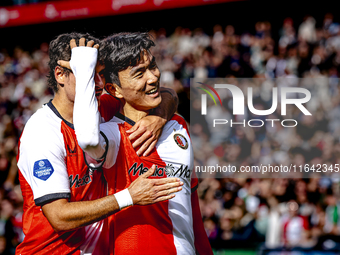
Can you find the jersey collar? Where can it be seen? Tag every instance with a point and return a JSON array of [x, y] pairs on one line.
[[124, 118], [52, 107]]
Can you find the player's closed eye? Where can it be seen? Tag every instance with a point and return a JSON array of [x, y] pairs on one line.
[[139, 75], [101, 73]]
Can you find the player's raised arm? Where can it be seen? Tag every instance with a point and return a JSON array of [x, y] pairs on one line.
[[86, 117]]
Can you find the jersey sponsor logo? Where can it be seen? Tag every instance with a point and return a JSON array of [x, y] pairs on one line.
[[78, 182], [42, 169], [170, 171], [182, 171], [136, 169], [181, 141]]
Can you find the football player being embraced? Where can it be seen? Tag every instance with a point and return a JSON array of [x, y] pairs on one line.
[[65, 202], [130, 74]]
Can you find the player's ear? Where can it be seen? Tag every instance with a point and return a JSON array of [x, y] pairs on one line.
[[114, 90], [59, 75]]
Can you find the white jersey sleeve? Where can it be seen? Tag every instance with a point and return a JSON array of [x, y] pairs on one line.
[[42, 159], [86, 116]]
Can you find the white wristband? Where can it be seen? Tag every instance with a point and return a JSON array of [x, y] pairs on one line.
[[123, 198]]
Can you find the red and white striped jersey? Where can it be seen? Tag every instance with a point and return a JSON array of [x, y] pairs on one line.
[[52, 166]]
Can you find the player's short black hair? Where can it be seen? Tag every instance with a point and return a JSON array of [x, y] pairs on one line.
[[60, 49], [119, 51]]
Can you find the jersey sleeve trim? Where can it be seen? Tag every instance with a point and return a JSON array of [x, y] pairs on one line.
[[103, 158], [51, 197]]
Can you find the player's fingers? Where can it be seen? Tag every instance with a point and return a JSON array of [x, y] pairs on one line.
[[167, 180], [64, 63], [82, 41], [160, 199], [167, 186], [90, 43], [73, 43], [168, 192], [141, 139], [144, 146], [96, 46], [150, 148], [133, 130], [149, 172]]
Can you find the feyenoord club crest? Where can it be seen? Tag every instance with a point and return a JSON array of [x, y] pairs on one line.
[[181, 141]]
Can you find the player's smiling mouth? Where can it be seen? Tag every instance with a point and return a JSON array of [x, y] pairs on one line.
[[153, 91]]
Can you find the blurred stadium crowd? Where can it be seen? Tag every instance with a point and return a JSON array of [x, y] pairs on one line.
[[277, 212]]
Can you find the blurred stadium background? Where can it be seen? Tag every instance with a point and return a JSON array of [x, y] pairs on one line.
[[217, 38]]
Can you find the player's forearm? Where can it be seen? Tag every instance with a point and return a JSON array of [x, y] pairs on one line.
[[64, 215], [169, 104], [86, 116], [71, 215]]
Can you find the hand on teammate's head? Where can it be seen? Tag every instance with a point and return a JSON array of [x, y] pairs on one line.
[[73, 44]]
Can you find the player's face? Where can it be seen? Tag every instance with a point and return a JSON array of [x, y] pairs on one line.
[[99, 80], [70, 86], [140, 84], [70, 83]]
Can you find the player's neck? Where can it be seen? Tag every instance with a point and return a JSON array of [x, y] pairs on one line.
[[64, 107], [133, 114]]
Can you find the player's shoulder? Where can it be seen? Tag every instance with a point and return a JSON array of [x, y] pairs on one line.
[[179, 118], [42, 135], [176, 121], [176, 124], [42, 124], [43, 117]]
